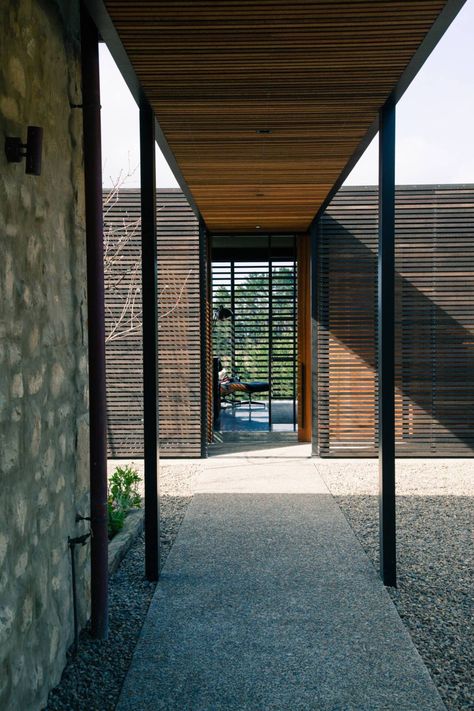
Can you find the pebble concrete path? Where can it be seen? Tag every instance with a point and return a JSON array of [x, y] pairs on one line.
[[268, 602]]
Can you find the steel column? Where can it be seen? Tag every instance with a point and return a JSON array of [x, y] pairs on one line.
[[386, 344], [96, 325], [314, 272], [270, 331], [232, 324], [150, 339], [204, 305], [295, 327]]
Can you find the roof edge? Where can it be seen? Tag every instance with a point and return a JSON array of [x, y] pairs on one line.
[[432, 37], [109, 35]]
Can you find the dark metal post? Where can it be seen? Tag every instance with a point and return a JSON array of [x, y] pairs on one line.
[[314, 244], [295, 343], [386, 344], [150, 339], [96, 325], [232, 323], [270, 332], [204, 305]]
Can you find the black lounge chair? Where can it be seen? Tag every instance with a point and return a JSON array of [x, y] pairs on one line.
[[233, 387]]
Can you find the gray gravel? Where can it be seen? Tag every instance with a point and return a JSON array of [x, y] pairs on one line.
[[93, 679], [435, 558]]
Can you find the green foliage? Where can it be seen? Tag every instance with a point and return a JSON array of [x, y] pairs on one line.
[[251, 305], [123, 495]]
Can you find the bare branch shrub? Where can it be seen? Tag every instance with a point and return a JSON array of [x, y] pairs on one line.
[[122, 269]]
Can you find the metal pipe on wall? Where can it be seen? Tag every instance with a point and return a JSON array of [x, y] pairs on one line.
[[150, 339], [96, 324], [386, 344]]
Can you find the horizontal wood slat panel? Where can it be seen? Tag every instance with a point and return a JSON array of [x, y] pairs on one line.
[[179, 331], [263, 102], [434, 322]]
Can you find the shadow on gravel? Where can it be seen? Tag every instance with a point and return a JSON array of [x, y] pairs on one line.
[[93, 679], [436, 581]]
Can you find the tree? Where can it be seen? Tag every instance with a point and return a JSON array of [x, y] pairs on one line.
[[248, 332], [122, 269], [122, 279]]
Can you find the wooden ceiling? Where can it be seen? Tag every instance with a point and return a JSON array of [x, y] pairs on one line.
[[263, 103]]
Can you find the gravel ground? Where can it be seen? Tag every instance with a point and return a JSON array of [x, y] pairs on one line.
[[93, 679], [435, 567], [435, 558]]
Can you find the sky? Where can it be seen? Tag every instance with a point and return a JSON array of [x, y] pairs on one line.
[[435, 120]]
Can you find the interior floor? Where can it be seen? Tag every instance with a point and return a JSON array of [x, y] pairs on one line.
[[257, 417]]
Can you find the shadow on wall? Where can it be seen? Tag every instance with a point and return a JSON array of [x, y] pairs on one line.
[[434, 340]]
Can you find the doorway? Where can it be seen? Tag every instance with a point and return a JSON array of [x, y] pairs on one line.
[[255, 336]]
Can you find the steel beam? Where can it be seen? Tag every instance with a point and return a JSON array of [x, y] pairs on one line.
[[96, 325], [150, 339], [386, 344]]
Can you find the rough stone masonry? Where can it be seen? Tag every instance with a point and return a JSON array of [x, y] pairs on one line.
[[44, 465]]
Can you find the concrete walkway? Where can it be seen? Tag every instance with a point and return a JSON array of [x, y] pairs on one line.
[[268, 602]]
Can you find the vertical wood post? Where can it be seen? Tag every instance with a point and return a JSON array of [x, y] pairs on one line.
[[96, 325], [386, 344], [150, 339]]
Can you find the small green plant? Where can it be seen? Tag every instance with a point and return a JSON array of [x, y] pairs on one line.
[[123, 495]]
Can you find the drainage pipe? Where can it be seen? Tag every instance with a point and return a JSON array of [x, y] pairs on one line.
[[96, 324], [73, 542]]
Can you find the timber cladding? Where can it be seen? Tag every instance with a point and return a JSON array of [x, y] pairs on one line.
[[263, 102], [434, 322], [179, 326]]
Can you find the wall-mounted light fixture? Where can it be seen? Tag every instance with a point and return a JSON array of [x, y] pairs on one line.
[[15, 150]]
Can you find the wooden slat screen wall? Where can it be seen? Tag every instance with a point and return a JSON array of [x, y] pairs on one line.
[[123, 310], [179, 333], [179, 330], [434, 322]]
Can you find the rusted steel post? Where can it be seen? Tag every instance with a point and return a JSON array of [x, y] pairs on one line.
[[96, 325]]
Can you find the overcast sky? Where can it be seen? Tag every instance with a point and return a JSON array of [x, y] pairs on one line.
[[435, 119]]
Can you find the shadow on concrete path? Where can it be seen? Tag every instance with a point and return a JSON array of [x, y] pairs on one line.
[[267, 601]]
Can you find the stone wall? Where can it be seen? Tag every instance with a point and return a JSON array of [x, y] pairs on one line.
[[43, 357]]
